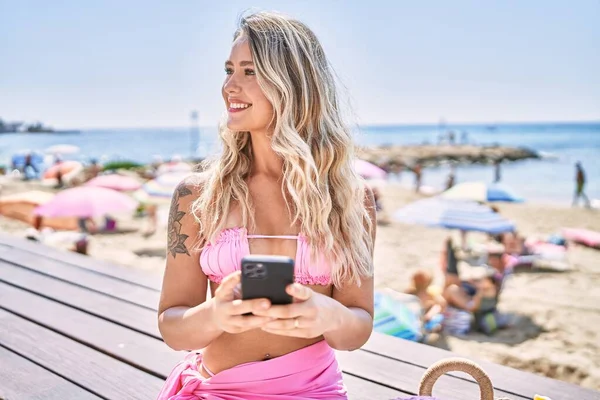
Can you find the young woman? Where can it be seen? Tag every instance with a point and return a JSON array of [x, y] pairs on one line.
[[283, 185]]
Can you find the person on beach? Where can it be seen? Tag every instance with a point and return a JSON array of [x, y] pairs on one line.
[[418, 171], [30, 165], [93, 170], [430, 297], [580, 185], [285, 185], [497, 171], [451, 179]]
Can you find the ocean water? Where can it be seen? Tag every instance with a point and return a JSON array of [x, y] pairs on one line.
[[550, 180]]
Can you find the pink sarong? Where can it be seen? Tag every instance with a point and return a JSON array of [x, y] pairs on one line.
[[308, 373]]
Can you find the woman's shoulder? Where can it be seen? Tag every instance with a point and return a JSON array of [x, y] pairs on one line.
[[194, 183]]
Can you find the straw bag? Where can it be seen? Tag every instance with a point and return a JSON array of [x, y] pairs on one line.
[[449, 365]]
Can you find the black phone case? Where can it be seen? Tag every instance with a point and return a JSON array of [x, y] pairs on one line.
[[265, 276]]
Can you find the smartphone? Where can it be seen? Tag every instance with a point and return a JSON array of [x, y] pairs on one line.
[[266, 276]]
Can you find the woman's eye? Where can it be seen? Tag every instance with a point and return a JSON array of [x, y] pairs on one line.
[[250, 72], [228, 71]]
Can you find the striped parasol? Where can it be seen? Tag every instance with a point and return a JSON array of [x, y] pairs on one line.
[[480, 191], [454, 214]]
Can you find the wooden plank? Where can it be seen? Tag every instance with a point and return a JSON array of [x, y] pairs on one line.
[[92, 280], [140, 351], [106, 307], [406, 377], [362, 389], [20, 333], [21, 378], [150, 279], [507, 379], [85, 366]]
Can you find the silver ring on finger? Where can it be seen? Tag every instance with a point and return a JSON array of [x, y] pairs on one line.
[[296, 323]]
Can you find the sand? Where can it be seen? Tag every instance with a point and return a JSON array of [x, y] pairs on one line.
[[557, 315]]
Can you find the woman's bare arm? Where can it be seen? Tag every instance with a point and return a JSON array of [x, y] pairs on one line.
[[355, 319], [185, 317]]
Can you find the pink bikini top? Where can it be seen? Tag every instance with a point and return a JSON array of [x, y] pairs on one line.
[[223, 257]]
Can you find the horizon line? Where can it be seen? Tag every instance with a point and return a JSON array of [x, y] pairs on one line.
[[366, 125]]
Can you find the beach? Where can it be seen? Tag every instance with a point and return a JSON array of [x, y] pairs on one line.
[[556, 314]]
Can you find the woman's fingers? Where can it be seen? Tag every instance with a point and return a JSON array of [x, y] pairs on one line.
[[299, 292], [287, 324], [282, 311], [225, 291], [239, 307], [246, 322]]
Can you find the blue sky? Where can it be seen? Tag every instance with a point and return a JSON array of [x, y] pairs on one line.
[[81, 64]]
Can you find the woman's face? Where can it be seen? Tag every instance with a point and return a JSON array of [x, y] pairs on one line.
[[247, 107]]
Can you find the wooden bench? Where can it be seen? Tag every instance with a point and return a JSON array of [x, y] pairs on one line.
[[86, 329]]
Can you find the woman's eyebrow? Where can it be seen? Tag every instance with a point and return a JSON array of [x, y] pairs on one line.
[[229, 63]]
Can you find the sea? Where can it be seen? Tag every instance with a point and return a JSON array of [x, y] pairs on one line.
[[548, 180]]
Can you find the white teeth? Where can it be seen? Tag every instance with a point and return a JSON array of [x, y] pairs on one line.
[[239, 105]]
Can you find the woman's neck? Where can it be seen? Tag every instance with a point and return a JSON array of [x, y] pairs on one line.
[[264, 160]]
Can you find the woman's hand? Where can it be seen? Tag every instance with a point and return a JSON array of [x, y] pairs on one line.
[[228, 311], [309, 316]]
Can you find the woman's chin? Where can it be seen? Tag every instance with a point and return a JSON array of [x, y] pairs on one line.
[[236, 126]]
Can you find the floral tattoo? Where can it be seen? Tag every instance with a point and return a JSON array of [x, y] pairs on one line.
[[176, 239]]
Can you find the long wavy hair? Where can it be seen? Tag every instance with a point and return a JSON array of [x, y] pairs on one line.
[[323, 193]]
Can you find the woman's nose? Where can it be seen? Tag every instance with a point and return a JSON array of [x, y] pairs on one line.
[[231, 85]]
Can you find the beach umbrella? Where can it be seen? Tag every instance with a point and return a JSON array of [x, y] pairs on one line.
[[86, 201], [21, 206], [62, 149], [18, 157], [481, 191], [368, 170], [174, 167], [454, 214], [117, 182], [160, 189], [67, 169]]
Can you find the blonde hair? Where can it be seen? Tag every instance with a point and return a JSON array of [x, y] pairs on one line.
[[326, 195]]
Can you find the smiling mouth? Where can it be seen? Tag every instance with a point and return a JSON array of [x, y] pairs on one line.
[[236, 107]]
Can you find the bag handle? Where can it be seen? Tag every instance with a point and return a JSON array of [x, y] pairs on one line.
[[456, 364]]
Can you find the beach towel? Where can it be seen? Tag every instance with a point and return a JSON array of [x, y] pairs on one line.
[[309, 373], [398, 314], [583, 236]]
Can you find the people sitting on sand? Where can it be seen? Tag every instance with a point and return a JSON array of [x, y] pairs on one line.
[[432, 302], [500, 263], [472, 293], [93, 170], [513, 243], [472, 302], [449, 263], [87, 225]]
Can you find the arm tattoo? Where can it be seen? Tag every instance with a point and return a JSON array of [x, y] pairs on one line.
[[176, 239]]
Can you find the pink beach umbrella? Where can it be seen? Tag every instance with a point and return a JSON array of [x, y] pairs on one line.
[[116, 182], [86, 201], [66, 168], [368, 170]]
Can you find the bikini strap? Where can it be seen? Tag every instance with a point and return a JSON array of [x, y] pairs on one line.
[[272, 237]]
